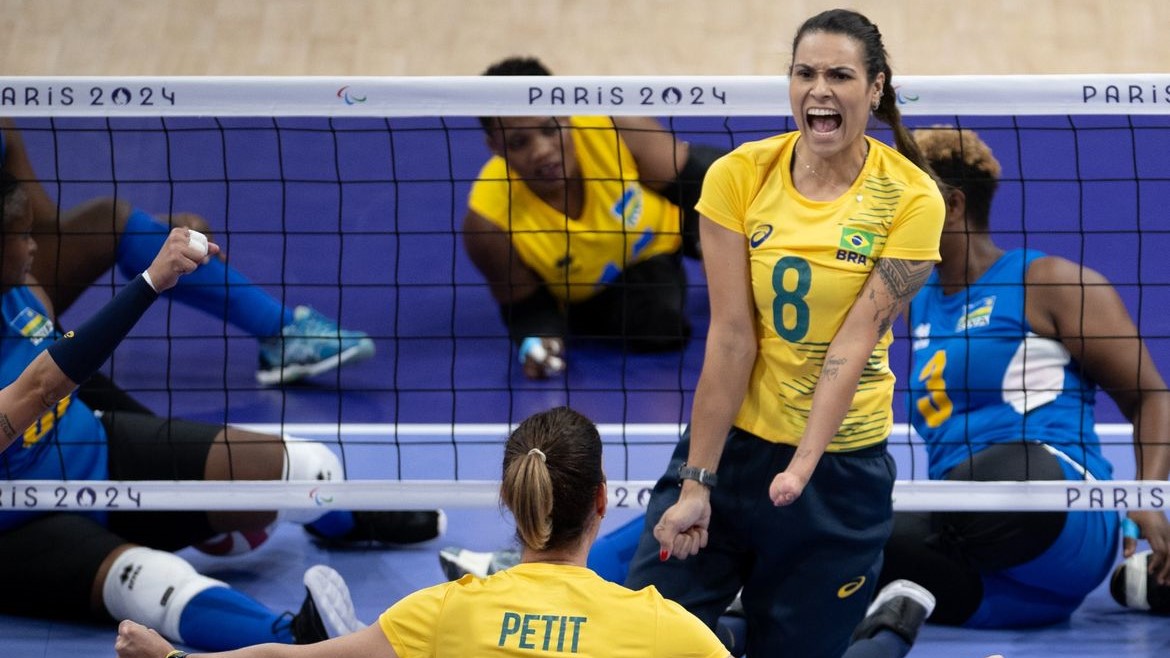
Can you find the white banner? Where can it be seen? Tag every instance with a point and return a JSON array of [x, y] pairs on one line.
[[561, 95], [51, 495]]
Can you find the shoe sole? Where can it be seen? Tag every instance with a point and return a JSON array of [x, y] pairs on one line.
[[333, 601], [296, 372], [458, 562], [906, 588]]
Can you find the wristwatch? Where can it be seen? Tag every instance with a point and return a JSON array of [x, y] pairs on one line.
[[700, 475]]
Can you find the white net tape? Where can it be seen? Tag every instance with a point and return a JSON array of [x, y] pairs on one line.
[[909, 495], [562, 95]]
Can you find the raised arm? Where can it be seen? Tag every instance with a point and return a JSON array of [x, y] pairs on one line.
[[886, 293], [54, 373], [659, 155], [1080, 308]]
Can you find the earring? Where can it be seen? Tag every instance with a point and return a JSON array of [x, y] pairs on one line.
[[876, 103]]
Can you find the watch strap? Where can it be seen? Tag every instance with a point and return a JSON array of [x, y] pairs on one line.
[[701, 475]]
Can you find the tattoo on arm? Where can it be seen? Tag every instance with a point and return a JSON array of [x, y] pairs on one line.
[[6, 426], [832, 367], [903, 280]]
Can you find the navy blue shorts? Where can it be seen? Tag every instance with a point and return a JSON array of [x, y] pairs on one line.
[[48, 565], [808, 570]]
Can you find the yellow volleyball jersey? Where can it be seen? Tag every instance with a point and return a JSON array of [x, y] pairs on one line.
[[809, 261], [544, 609], [620, 224]]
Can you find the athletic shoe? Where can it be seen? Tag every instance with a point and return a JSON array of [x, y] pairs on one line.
[[310, 345], [1133, 586], [400, 527], [902, 607], [732, 630], [328, 608], [458, 562]]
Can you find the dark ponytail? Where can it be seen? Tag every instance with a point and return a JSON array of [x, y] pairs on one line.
[[552, 468]]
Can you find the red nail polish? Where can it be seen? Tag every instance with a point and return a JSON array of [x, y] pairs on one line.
[[663, 556]]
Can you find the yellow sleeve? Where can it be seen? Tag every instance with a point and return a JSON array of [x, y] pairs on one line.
[[489, 196], [409, 625], [680, 633], [917, 229], [725, 195]]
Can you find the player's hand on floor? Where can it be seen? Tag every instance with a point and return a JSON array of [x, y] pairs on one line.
[[542, 357], [1152, 526]]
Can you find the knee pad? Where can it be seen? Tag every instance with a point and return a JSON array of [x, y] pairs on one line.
[[308, 460], [152, 588]]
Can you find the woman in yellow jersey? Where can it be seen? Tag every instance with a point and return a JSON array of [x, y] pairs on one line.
[[813, 242], [554, 485], [575, 224]]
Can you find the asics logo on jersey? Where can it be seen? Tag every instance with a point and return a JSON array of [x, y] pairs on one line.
[[847, 590], [759, 235]]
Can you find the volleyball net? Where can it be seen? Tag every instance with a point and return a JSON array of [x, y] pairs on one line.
[[348, 195]]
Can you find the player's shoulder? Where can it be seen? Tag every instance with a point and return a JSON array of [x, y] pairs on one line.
[[590, 121], [1048, 270], [754, 157]]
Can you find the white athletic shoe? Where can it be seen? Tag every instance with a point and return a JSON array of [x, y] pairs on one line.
[[458, 562], [328, 608]]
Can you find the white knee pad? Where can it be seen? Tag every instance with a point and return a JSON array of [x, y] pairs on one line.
[[308, 460], [152, 588]]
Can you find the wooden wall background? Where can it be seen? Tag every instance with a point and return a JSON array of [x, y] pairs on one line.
[[581, 37]]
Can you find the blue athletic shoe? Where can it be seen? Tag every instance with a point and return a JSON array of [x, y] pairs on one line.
[[310, 345]]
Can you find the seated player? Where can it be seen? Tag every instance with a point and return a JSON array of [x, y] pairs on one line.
[[576, 225], [79, 244], [1009, 350], [73, 565], [550, 603]]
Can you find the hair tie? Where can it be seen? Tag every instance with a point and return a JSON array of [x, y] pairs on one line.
[[539, 453]]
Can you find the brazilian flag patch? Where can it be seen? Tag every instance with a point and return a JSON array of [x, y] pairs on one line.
[[857, 241]]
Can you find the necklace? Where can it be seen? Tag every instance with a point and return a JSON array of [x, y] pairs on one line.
[[827, 179]]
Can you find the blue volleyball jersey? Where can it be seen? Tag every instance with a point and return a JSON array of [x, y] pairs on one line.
[[981, 376], [67, 441]]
